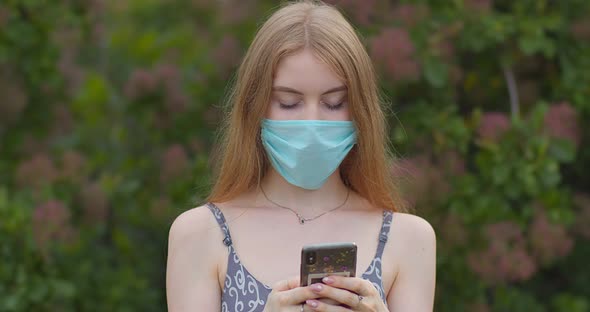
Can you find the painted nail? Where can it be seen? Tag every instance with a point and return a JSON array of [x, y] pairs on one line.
[[328, 280], [317, 287], [313, 304]]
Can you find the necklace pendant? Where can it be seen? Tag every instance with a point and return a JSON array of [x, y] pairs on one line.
[[301, 220]]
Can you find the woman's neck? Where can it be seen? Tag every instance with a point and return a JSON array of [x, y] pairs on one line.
[[308, 203]]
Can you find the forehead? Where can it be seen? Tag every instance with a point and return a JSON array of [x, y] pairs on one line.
[[305, 72]]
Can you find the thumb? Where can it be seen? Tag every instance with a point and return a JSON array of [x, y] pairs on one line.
[[287, 284]]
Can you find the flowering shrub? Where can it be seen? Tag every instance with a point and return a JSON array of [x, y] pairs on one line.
[[109, 110]]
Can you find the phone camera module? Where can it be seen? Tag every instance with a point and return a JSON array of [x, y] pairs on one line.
[[311, 258]]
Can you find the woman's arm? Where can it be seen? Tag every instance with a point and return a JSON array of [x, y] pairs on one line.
[[191, 272], [413, 289]]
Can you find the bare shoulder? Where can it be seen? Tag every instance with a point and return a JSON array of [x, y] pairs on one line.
[[413, 227], [414, 248], [194, 246], [195, 233], [412, 236], [192, 224]]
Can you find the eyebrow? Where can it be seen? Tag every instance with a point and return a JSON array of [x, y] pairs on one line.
[[291, 90]]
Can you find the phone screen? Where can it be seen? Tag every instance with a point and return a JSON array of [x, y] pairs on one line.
[[320, 260]]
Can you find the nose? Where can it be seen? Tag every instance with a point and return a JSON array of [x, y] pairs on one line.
[[312, 110]]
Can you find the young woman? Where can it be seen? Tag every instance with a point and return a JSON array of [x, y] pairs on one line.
[[304, 160]]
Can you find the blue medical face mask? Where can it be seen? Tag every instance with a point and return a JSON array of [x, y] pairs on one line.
[[307, 152]]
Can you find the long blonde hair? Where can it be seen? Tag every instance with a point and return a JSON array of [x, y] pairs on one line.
[[324, 30]]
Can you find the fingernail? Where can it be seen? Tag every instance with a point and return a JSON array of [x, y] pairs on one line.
[[328, 280], [311, 303], [316, 287]]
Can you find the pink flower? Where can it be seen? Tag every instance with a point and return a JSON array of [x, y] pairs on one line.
[[478, 307], [162, 121], [4, 15], [98, 31], [227, 54], [73, 166], [505, 259], [197, 145], [361, 11], [68, 67], [504, 231], [96, 10], [202, 4], [32, 145], [479, 263], [411, 176], [174, 163], [235, 12], [95, 7], [160, 208], [442, 44], [67, 37], [95, 203], [394, 49], [492, 126], [176, 101], [445, 49], [212, 116], [453, 230], [453, 163], [409, 14], [52, 213], [168, 74], [14, 99], [523, 266], [456, 74], [528, 91], [561, 121], [581, 226], [581, 29], [140, 83], [549, 241], [410, 167], [63, 121], [482, 6], [420, 180], [36, 171], [51, 223]]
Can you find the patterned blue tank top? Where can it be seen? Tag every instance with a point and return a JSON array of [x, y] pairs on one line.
[[243, 292]]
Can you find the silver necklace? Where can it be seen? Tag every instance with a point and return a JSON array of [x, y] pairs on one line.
[[302, 220]]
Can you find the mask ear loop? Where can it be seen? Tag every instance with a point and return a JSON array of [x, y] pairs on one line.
[[258, 160], [346, 164]]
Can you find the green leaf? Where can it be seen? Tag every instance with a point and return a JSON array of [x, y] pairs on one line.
[[565, 302], [92, 100], [436, 72], [562, 150]]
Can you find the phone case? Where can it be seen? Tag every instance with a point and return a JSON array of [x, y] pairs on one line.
[[328, 259]]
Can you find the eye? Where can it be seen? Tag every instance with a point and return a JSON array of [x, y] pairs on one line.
[[287, 106], [334, 106]]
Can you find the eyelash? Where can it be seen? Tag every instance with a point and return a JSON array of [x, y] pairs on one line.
[[330, 107]]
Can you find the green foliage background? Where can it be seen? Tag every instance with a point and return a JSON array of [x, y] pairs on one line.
[[108, 112]]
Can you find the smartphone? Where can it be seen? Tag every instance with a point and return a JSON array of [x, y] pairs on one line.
[[320, 260]]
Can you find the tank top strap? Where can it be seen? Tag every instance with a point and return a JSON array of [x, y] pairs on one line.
[[221, 221], [384, 232]]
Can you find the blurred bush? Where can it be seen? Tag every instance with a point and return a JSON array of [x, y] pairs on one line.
[[109, 110]]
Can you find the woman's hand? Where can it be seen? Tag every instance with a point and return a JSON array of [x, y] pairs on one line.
[[356, 294], [287, 295]]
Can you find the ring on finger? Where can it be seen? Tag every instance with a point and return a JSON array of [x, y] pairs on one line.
[[360, 300]]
